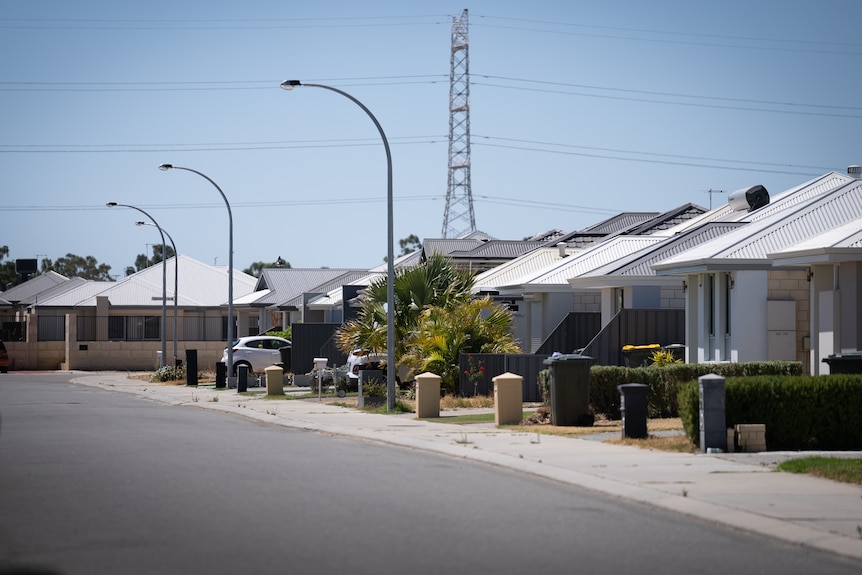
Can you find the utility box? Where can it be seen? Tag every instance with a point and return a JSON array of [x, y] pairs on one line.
[[274, 380], [713, 432], [508, 399], [570, 389], [427, 395], [633, 409]]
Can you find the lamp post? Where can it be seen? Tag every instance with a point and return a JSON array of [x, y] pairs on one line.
[[390, 256], [164, 277], [230, 334], [176, 283]]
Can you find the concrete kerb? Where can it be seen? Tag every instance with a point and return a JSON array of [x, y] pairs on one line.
[[694, 485]]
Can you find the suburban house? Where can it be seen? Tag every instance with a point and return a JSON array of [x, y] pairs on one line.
[[762, 292], [89, 325], [757, 278]]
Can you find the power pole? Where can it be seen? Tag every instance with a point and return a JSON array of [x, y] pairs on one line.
[[458, 218]]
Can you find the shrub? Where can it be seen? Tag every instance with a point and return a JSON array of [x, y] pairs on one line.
[[169, 373], [800, 412], [665, 382]]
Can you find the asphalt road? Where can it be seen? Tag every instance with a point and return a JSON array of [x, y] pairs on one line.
[[100, 482]]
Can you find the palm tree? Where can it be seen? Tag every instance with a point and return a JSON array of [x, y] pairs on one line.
[[436, 320], [473, 326], [435, 283]]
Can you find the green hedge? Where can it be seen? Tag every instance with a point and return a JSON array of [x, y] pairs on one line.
[[665, 382], [800, 412]]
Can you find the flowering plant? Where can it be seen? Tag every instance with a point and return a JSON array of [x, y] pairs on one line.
[[475, 372]]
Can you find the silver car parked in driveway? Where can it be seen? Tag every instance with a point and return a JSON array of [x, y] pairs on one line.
[[258, 352]]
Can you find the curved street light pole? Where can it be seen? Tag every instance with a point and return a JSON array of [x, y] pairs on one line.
[[390, 257], [164, 278], [230, 330], [176, 283]]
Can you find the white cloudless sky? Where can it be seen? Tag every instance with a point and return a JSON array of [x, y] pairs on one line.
[[578, 110]]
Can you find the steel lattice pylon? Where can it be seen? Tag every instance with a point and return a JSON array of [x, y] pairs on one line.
[[458, 219]]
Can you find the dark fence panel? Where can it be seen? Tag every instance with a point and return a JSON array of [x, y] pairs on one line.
[[148, 328], [575, 332], [526, 365], [13, 331], [51, 328], [310, 340], [636, 327]]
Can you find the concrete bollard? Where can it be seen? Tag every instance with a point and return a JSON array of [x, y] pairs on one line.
[[274, 380], [508, 399], [427, 395]]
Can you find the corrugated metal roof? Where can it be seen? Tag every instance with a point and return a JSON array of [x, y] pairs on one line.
[[798, 222], [199, 285], [841, 244], [32, 287], [74, 297], [511, 272], [779, 202], [621, 222], [334, 299], [336, 283], [447, 246], [667, 220], [287, 283], [610, 250], [639, 264], [496, 249]]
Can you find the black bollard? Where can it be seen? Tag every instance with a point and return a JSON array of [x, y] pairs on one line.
[[221, 375], [191, 367], [241, 378]]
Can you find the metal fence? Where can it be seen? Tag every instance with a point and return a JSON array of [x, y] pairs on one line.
[[526, 365], [147, 328]]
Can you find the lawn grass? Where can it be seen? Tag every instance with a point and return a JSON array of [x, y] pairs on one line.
[[835, 468]]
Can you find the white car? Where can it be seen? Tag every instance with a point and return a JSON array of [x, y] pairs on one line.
[[258, 352]]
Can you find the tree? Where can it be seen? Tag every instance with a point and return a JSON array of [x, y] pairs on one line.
[[409, 244], [256, 268], [77, 266], [142, 262], [433, 314], [8, 277], [474, 326]]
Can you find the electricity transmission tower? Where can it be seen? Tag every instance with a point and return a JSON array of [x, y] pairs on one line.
[[458, 219]]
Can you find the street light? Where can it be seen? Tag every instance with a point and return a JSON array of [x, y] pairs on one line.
[[176, 282], [230, 335], [390, 259], [164, 278]]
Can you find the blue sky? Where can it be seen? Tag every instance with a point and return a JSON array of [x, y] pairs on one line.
[[579, 110]]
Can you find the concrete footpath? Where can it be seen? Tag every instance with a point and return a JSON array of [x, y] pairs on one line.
[[740, 490]]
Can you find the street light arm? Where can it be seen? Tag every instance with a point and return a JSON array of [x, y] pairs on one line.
[[390, 256], [164, 275], [230, 326]]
